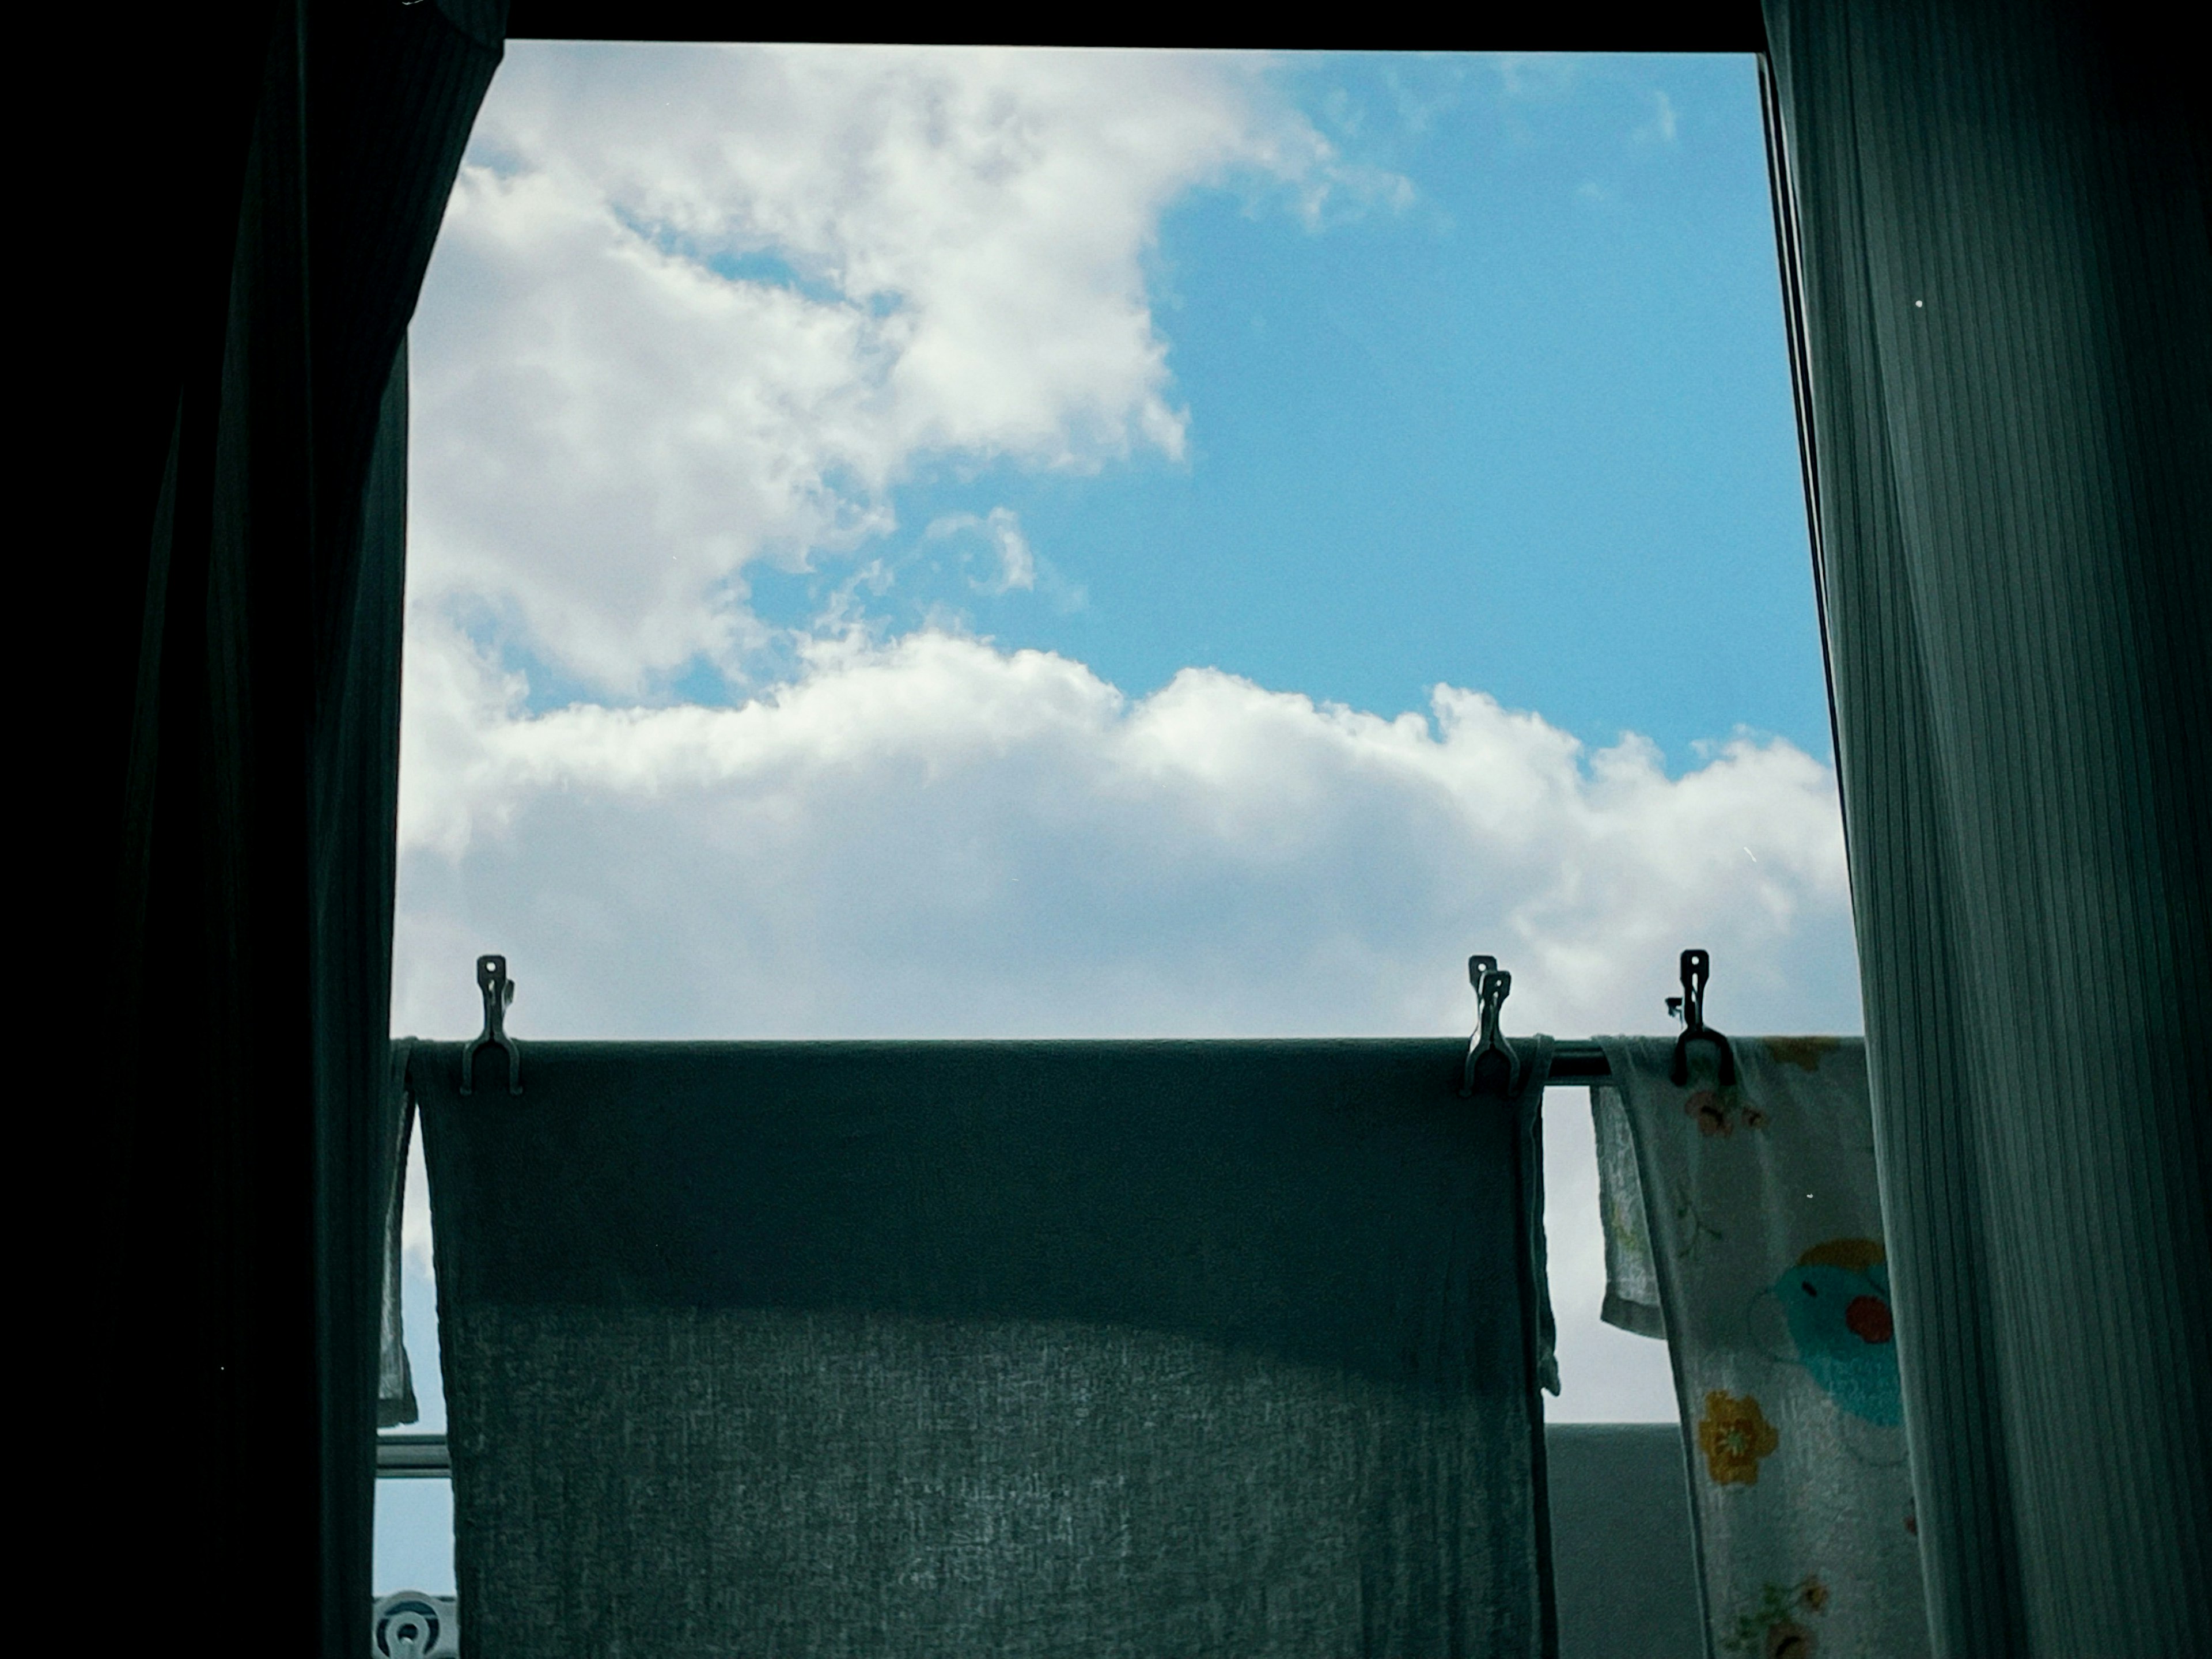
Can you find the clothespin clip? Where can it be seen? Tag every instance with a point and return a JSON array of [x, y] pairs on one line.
[[1690, 1009], [1491, 1064], [498, 991]]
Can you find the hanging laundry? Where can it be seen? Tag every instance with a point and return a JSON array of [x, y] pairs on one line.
[[1743, 1224], [1024, 1348]]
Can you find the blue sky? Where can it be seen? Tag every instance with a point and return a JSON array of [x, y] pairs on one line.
[[1529, 431], [969, 543]]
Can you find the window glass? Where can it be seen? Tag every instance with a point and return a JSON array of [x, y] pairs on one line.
[[977, 543], [414, 1515]]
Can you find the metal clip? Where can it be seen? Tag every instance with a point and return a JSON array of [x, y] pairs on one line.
[[1491, 1062], [498, 991], [1690, 1007]]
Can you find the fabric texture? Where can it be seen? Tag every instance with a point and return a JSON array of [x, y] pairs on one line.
[[1014, 1348], [395, 1374], [245, 538], [1995, 220], [1631, 1277], [1761, 1224]]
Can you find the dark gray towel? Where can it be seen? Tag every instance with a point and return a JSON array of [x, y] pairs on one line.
[[1101, 1348]]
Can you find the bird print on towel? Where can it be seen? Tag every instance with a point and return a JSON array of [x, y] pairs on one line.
[[1836, 1299]]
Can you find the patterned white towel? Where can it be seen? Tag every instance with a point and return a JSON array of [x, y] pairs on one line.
[[1743, 1224]]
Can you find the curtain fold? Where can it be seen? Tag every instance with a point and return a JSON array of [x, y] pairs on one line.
[[1099, 1348], [246, 1153], [1999, 219]]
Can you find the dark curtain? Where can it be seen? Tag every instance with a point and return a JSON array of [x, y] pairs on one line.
[[1996, 215], [263, 188]]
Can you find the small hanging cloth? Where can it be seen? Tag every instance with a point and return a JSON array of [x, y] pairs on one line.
[[396, 1404], [1743, 1224], [1115, 1349]]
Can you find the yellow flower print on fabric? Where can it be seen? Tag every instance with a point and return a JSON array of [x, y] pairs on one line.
[[1714, 1111], [1805, 1053], [1734, 1434], [1768, 1626]]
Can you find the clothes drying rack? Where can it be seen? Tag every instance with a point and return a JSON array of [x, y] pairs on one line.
[[1492, 1065]]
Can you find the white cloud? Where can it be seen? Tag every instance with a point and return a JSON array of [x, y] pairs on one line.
[[1660, 129], [933, 836], [696, 308], [1002, 529], [1538, 77]]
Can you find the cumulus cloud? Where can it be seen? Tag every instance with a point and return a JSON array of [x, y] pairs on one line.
[[933, 836], [693, 309]]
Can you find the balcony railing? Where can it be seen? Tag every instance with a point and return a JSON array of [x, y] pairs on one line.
[[412, 1456]]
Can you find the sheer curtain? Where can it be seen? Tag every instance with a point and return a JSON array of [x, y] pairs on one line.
[[1996, 216]]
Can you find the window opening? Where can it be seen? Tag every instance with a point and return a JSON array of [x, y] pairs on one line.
[[962, 543]]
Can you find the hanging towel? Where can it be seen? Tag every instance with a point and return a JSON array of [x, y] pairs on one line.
[[1019, 1348], [395, 1378], [1744, 1224]]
